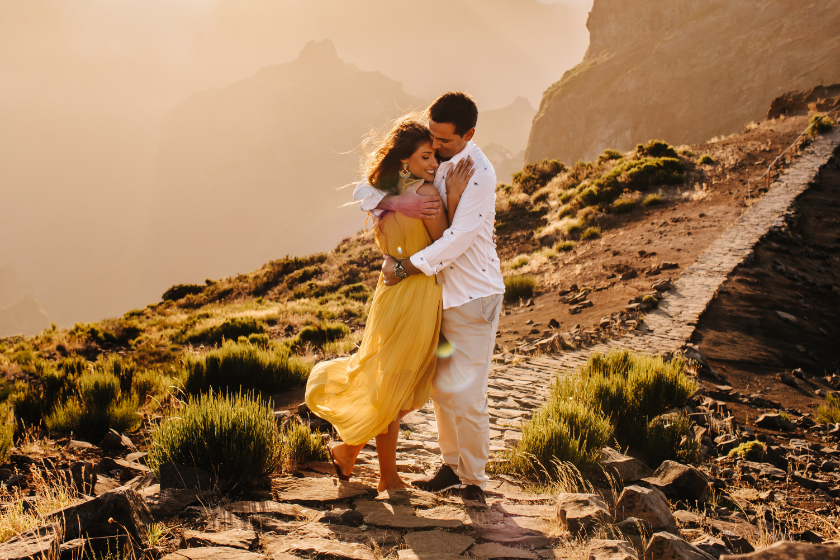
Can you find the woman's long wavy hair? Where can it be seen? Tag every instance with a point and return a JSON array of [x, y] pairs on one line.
[[383, 164]]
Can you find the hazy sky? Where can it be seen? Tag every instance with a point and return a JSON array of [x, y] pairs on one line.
[[84, 85]]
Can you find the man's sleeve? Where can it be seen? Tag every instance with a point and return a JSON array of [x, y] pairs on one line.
[[478, 199], [368, 198]]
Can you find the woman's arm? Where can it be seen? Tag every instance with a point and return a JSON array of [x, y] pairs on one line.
[[437, 224]]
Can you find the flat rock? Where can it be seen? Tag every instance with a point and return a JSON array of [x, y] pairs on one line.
[[93, 517], [495, 550], [771, 421], [711, 545], [287, 544], [679, 482], [665, 546], [412, 497], [321, 490], [511, 535], [600, 549], [579, 512], [526, 510], [383, 514], [41, 542], [235, 538], [167, 503], [688, 519], [223, 520], [382, 537], [438, 542], [627, 468], [787, 550], [215, 553], [411, 555], [648, 504], [276, 508]]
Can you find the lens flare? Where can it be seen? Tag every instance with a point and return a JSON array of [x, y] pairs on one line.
[[399, 250], [445, 350]]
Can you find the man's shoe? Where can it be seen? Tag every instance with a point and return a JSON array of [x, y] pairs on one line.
[[444, 479], [474, 493]]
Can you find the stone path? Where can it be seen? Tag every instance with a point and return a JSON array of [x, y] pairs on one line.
[[515, 390]]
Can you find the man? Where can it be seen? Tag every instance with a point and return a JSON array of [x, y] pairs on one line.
[[467, 265]]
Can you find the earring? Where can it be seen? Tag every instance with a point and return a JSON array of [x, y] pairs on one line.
[[405, 173]]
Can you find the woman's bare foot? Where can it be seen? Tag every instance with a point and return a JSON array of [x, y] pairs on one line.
[[391, 484], [345, 457]]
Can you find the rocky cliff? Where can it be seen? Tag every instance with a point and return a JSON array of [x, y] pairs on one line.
[[683, 71]]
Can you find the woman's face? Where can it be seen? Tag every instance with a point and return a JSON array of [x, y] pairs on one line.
[[422, 162]]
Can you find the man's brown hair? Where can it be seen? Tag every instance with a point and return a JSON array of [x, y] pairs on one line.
[[455, 107]]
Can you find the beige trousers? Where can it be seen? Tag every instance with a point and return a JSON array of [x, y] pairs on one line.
[[459, 390]]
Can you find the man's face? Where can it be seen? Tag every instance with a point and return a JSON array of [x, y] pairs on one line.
[[445, 142]]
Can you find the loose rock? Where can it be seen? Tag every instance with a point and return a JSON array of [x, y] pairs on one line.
[[438, 542], [711, 545], [610, 550], [579, 512], [627, 468], [216, 553], [680, 482], [92, 519], [787, 550], [494, 550], [41, 542], [648, 504], [665, 546]]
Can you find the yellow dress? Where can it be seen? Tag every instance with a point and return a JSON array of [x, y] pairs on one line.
[[392, 371]]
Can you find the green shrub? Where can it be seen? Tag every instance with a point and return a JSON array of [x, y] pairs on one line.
[[820, 124], [670, 438], [321, 333], [656, 149], [534, 176], [235, 366], [652, 200], [564, 246], [561, 431], [566, 211], [301, 444], [27, 405], [519, 287], [629, 392], [706, 159], [180, 291], [97, 406], [609, 155], [257, 339], [7, 432], [685, 152], [123, 368], [231, 329], [624, 205], [360, 292], [153, 384], [574, 226], [749, 450], [232, 436], [303, 275], [591, 233], [519, 261], [566, 196], [651, 300], [541, 195], [830, 411]]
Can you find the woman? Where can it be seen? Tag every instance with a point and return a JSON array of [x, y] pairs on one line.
[[365, 395]]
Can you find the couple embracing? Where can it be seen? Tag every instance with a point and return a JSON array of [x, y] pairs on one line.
[[432, 193]]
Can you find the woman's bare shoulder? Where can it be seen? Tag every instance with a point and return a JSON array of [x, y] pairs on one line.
[[427, 189]]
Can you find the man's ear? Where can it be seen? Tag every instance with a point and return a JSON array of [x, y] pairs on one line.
[[469, 134]]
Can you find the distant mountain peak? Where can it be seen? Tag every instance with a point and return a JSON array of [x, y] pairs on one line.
[[319, 50]]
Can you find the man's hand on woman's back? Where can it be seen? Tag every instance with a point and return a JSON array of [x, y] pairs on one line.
[[412, 204]]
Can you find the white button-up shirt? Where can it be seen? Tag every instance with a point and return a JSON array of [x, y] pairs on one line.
[[466, 255]]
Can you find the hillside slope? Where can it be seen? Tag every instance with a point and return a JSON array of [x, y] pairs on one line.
[[658, 69], [251, 170]]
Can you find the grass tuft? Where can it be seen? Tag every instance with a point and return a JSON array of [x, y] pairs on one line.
[[706, 160], [564, 246], [591, 233], [232, 436], [830, 411], [301, 444], [820, 124], [624, 205], [519, 262], [519, 287], [7, 432], [231, 329], [749, 450], [652, 200]]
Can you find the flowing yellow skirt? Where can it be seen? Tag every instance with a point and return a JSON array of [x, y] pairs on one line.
[[392, 371]]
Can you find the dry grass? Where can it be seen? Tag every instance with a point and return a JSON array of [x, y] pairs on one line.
[[50, 495]]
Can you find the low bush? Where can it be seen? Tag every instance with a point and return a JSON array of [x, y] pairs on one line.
[[519, 287], [320, 334], [180, 291], [706, 159], [749, 450], [820, 124], [628, 392], [7, 432], [230, 329], [652, 200], [357, 292], [830, 411], [97, 406], [651, 300], [519, 261], [534, 176], [232, 436], [561, 431], [624, 205], [591, 233], [236, 365], [574, 226], [541, 195], [609, 155], [564, 246], [656, 149], [301, 444], [153, 384]]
